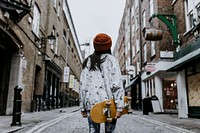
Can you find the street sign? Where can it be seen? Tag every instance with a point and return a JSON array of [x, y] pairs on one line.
[[150, 67]]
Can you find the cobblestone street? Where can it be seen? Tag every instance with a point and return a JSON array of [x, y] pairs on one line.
[[74, 123]]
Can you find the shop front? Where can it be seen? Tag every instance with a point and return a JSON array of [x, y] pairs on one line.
[[134, 90], [187, 66], [193, 84]]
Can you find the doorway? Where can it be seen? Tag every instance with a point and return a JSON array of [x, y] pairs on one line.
[[169, 94], [5, 59]]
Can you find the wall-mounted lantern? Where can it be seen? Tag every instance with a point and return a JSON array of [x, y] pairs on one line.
[[43, 39]]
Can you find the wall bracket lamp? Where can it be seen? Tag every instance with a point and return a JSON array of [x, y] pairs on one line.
[[43, 39]]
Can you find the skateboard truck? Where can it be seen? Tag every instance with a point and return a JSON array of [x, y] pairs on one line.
[[128, 105], [107, 111]]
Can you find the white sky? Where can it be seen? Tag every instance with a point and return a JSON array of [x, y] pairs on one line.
[[91, 17]]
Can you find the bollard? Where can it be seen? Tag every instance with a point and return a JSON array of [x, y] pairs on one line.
[[145, 107], [16, 119]]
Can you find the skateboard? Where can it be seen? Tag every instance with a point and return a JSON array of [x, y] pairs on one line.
[[106, 111]]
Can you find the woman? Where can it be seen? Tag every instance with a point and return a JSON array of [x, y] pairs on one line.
[[100, 80]]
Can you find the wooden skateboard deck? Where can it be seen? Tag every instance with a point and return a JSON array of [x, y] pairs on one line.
[[106, 111]]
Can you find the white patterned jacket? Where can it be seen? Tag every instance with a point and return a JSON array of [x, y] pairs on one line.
[[97, 86]]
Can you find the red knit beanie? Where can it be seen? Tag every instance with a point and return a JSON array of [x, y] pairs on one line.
[[102, 42]]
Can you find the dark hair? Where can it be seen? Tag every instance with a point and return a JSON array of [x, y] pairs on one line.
[[96, 60]]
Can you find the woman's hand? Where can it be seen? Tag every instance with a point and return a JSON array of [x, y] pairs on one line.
[[118, 115], [84, 114]]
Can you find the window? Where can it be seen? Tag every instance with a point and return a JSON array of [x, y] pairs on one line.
[[58, 13], [192, 11], [36, 20], [54, 3], [145, 52], [52, 42], [153, 48], [133, 50], [151, 2], [137, 46], [136, 23], [56, 45], [144, 19]]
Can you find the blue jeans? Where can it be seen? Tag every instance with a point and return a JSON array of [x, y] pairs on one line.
[[95, 127]]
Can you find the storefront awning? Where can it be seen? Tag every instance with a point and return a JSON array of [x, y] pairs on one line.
[[132, 82], [180, 63]]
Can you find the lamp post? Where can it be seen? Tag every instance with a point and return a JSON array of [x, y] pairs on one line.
[[87, 44]]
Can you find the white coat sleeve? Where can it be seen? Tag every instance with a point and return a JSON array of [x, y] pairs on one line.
[[117, 87]]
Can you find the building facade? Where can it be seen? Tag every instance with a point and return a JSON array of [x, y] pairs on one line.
[[167, 63], [39, 52]]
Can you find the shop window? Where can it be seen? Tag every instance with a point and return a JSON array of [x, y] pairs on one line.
[[190, 70], [169, 94], [198, 67], [36, 20]]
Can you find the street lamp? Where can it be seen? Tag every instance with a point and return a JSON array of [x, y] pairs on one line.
[[42, 44], [43, 39], [83, 51]]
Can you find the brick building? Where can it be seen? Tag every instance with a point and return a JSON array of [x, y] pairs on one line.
[[169, 66], [39, 52]]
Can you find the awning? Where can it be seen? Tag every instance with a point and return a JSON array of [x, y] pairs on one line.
[[186, 56], [134, 81], [187, 59]]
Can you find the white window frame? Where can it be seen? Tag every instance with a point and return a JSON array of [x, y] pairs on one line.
[[151, 3], [52, 42], [133, 51], [56, 44], [192, 14], [153, 48], [137, 45], [36, 20], [136, 23], [58, 12], [145, 52], [54, 3], [144, 19]]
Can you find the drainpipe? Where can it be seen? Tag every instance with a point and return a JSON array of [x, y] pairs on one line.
[[131, 49], [140, 39]]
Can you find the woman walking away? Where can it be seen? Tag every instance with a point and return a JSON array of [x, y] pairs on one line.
[[101, 80]]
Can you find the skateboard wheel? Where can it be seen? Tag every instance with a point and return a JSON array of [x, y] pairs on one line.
[[130, 111], [129, 98], [108, 103], [109, 119]]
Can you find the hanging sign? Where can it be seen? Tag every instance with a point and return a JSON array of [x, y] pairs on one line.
[[66, 75], [71, 81]]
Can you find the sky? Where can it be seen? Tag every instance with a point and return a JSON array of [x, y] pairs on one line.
[[91, 17]]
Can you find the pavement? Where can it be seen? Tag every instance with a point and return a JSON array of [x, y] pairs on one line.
[[31, 118]]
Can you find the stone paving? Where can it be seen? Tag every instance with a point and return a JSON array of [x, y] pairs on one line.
[[29, 120]]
